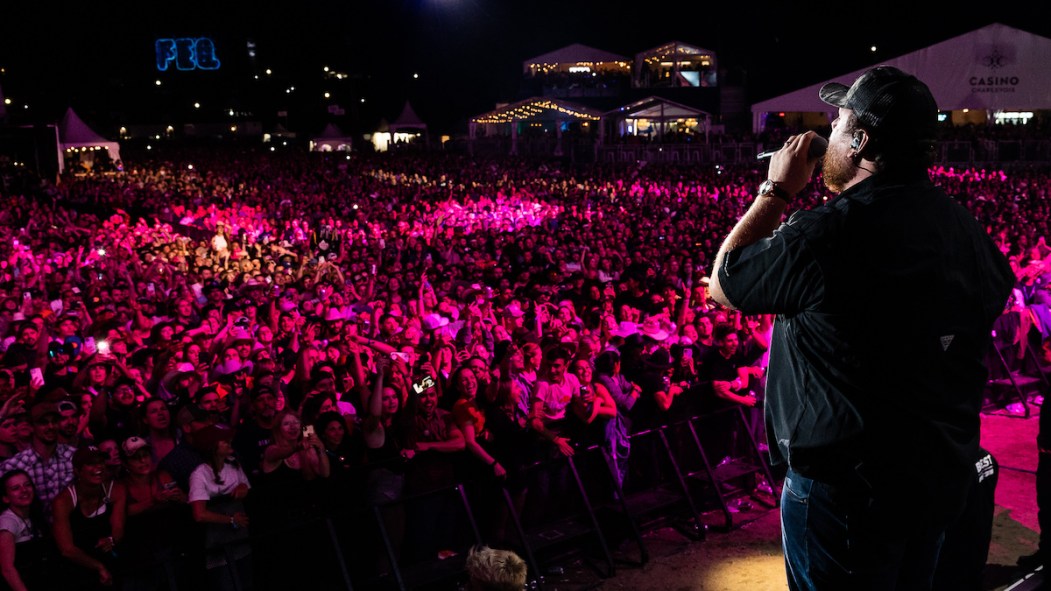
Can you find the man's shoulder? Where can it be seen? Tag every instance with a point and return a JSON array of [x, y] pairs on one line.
[[815, 221]]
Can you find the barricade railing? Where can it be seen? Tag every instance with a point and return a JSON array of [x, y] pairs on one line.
[[655, 491], [681, 480], [435, 569], [554, 522], [734, 475]]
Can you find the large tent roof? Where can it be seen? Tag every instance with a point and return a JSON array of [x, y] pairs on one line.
[[574, 54], [992, 68], [331, 131], [655, 107], [408, 120], [331, 138], [538, 109], [74, 133], [672, 49]]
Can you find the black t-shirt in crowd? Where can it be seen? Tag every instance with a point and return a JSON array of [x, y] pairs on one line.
[[249, 443]]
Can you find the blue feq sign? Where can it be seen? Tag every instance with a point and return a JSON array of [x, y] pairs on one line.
[[187, 54]]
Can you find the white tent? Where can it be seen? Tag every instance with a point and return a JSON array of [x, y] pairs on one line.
[[406, 129], [537, 110], [676, 64], [657, 115], [331, 139], [572, 56], [408, 120], [74, 136], [995, 68]]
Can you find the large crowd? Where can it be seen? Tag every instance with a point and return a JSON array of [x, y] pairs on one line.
[[208, 352]]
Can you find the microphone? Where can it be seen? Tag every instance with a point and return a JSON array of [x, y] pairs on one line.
[[818, 145]]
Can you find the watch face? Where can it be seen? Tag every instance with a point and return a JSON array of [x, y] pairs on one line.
[[766, 187]]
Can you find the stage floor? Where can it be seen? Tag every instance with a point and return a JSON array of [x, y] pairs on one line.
[[749, 557]]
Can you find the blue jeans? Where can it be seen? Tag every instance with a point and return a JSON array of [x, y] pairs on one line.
[[845, 537]]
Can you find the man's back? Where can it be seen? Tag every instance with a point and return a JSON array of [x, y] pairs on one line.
[[886, 300]]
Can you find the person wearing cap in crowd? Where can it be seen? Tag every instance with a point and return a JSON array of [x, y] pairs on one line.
[[148, 488], [66, 326], [94, 374], [89, 517], [60, 371], [876, 417], [72, 421], [242, 341], [47, 461], [255, 432], [113, 413], [155, 503], [178, 384]]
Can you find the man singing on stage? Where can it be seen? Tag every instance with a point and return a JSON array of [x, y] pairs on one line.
[[872, 402]]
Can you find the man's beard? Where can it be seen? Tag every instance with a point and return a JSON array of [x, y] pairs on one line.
[[836, 171]]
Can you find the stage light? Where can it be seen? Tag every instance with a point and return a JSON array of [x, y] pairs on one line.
[[157, 82]]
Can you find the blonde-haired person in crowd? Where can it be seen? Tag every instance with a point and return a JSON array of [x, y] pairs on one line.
[[491, 569]]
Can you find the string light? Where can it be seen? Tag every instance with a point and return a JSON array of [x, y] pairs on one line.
[[533, 109]]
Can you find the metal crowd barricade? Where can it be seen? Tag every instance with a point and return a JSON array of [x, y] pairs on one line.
[[436, 570], [557, 524], [732, 478], [671, 481], [655, 491]]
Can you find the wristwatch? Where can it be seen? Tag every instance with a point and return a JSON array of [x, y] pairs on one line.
[[769, 187]]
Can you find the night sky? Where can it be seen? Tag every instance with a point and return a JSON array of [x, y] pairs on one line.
[[98, 57]]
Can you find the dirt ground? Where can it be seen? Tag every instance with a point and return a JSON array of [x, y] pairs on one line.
[[749, 556]]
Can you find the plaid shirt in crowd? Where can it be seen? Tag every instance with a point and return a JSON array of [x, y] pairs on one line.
[[48, 478]]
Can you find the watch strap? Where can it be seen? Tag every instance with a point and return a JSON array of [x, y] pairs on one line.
[[774, 188]]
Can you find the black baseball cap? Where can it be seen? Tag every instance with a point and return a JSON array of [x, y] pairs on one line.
[[889, 103]]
